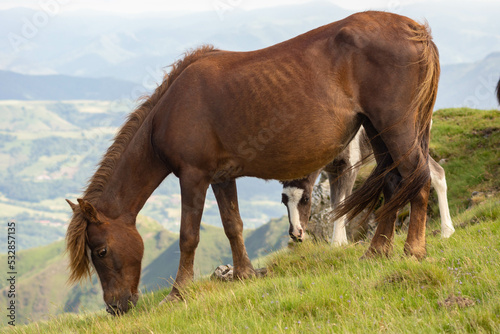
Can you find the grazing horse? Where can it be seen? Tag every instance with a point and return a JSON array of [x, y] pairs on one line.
[[277, 113], [342, 172]]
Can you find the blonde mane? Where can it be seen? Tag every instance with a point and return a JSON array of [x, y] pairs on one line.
[[76, 236]]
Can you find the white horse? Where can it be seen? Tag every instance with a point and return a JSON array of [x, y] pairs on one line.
[[342, 173]]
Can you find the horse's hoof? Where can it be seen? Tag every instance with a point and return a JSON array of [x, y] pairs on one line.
[[446, 233], [171, 298], [339, 243], [367, 256], [261, 272], [372, 253], [245, 274], [418, 252]]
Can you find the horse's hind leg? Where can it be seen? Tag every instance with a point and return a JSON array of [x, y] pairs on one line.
[[227, 200], [411, 165], [381, 243], [382, 240], [438, 181], [415, 242], [194, 187]]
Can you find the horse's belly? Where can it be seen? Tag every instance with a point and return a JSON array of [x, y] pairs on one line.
[[292, 159]]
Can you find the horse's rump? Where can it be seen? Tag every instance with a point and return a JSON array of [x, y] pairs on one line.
[[419, 112]]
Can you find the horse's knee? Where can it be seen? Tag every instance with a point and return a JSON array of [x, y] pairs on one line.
[[232, 224], [188, 242]]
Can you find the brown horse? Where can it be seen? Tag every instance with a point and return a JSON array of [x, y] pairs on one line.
[[278, 113]]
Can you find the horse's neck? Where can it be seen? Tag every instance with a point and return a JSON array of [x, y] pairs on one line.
[[137, 173]]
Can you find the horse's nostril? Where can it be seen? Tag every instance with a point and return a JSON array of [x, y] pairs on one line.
[[295, 239], [113, 309]]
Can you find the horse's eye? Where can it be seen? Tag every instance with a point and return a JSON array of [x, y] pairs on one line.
[[305, 199], [102, 252]]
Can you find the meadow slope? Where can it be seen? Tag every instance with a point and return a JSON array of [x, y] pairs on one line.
[[314, 288]]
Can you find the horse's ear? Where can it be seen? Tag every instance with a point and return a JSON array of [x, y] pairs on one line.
[[72, 205], [89, 212]]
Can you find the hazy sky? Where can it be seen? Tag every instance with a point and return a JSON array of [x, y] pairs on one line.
[[134, 6]]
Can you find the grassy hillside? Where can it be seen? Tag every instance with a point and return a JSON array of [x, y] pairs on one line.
[[260, 242], [314, 288]]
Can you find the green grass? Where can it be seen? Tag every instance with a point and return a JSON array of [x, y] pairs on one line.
[[315, 288], [468, 140]]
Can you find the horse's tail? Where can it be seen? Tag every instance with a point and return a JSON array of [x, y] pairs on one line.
[[421, 107]]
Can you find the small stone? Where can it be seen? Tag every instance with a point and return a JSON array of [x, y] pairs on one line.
[[223, 273]]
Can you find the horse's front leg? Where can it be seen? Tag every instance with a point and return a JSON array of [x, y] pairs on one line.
[[227, 200], [193, 191]]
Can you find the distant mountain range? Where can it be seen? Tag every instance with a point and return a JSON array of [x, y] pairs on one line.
[[137, 47], [15, 86], [470, 84], [467, 84]]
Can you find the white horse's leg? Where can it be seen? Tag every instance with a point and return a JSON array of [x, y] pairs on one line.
[[338, 194], [438, 181], [339, 237], [341, 183]]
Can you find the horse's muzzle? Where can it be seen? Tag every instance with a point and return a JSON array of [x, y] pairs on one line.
[[295, 239], [122, 307]]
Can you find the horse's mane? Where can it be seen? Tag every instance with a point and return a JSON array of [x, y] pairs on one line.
[[76, 236]]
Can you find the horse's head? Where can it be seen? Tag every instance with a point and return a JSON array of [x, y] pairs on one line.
[[115, 249], [296, 196]]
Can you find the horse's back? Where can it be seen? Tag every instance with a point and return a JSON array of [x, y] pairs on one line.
[[257, 111]]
